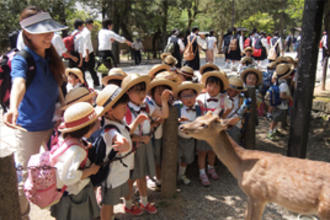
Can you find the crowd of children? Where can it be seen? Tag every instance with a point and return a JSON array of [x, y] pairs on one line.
[[133, 108]]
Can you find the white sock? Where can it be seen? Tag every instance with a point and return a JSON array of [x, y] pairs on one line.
[[182, 171], [209, 166], [128, 203], [144, 200], [202, 171]]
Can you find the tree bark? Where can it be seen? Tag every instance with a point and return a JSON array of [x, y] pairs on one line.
[[300, 119], [8, 191], [249, 137], [169, 158]]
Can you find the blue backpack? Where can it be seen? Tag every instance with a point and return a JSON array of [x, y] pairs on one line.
[[274, 95]]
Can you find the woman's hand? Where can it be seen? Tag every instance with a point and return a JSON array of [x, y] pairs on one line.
[[10, 118]]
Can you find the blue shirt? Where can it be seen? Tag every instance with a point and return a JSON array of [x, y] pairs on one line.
[[36, 110]]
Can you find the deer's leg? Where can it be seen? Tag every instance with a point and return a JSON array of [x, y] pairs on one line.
[[324, 205], [255, 209]]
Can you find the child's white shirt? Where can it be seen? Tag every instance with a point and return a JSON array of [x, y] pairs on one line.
[[69, 86], [119, 174], [144, 128], [186, 112], [68, 172], [220, 101], [284, 88]]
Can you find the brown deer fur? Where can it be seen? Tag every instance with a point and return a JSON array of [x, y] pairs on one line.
[[302, 186]]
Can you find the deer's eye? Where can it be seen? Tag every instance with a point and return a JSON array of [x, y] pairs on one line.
[[203, 125]]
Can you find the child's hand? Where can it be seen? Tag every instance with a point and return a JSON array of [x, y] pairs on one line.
[[94, 168], [166, 95], [141, 118], [120, 144], [145, 139], [183, 119]]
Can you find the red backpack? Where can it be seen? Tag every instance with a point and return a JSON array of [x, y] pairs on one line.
[[69, 42]]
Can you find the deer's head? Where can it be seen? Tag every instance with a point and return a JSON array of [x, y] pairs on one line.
[[204, 127]]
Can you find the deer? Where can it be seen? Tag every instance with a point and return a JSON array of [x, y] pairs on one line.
[[300, 185]]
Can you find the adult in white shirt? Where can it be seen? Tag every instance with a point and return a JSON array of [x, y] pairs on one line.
[[78, 46], [176, 37], [325, 49], [106, 36], [88, 52], [211, 45]]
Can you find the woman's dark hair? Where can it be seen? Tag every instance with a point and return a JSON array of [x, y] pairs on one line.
[[123, 100], [55, 62], [89, 21], [211, 33], [216, 80], [80, 132], [106, 22], [194, 29], [140, 86], [77, 23]]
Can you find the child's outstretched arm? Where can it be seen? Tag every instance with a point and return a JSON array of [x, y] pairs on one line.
[[139, 119], [90, 171], [165, 98]]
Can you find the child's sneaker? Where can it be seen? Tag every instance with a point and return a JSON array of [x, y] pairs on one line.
[[272, 136], [134, 210], [269, 116], [150, 208], [212, 173], [185, 179], [204, 179]]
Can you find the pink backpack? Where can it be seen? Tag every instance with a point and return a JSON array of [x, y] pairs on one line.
[[40, 186]]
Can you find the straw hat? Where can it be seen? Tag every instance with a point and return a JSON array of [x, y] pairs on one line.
[[109, 96], [157, 69], [170, 60], [208, 67], [164, 55], [219, 74], [163, 80], [134, 79], [248, 49], [78, 116], [186, 71], [77, 72], [271, 65], [188, 85], [284, 59], [79, 94], [170, 76], [283, 70], [246, 61], [236, 83], [114, 73], [253, 70]]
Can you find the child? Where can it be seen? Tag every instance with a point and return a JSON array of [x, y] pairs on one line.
[[168, 59], [144, 163], [240, 104], [117, 138], [115, 76], [279, 113], [73, 171], [251, 77], [188, 110], [186, 73], [75, 79], [157, 86], [79, 94], [215, 99], [208, 67], [158, 68]]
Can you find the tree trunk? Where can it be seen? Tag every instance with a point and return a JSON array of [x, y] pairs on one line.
[[249, 137], [8, 191], [170, 155], [300, 119]]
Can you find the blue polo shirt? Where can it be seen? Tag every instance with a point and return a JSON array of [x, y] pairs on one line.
[[35, 112]]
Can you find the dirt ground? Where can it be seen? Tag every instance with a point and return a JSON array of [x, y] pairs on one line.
[[224, 200]]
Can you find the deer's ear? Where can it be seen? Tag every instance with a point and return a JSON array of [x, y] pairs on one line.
[[220, 124], [224, 123]]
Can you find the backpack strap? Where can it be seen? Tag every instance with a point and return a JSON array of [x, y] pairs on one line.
[[178, 106], [31, 70]]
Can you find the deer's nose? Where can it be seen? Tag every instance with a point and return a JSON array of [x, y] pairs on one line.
[[181, 127]]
